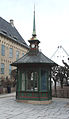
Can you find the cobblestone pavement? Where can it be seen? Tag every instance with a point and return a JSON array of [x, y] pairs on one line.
[[10, 109]]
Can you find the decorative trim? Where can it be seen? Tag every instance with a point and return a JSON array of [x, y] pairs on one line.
[[30, 97]]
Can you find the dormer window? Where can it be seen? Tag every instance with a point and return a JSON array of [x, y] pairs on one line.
[[3, 31], [15, 37]]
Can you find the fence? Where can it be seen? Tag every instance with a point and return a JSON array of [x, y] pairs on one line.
[[61, 93]]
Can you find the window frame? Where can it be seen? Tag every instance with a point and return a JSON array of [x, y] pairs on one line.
[[45, 83], [10, 69], [32, 81], [17, 55], [3, 50], [2, 68], [23, 54], [23, 81], [10, 52]]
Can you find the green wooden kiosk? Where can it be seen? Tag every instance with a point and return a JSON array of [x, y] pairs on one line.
[[34, 74]]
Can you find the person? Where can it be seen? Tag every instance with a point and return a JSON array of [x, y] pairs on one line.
[[8, 85]]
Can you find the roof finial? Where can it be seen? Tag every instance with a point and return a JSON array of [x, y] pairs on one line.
[[34, 29], [34, 6]]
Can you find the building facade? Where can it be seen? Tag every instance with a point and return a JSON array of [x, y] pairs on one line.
[[60, 55], [12, 47]]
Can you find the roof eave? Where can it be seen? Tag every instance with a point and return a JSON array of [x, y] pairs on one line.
[[14, 40], [49, 64]]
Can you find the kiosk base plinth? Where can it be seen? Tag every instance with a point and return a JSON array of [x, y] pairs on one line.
[[35, 102]]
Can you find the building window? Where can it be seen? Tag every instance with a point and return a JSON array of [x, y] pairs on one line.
[[23, 82], [10, 52], [44, 77], [17, 55], [23, 54], [2, 68], [3, 50], [32, 81], [10, 69]]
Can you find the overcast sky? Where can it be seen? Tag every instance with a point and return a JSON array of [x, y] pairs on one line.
[[52, 21]]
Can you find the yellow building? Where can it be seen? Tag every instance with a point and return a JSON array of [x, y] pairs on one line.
[[12, 46]]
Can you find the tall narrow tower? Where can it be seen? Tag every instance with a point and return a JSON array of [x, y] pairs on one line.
[[34, 42], [34, 29]]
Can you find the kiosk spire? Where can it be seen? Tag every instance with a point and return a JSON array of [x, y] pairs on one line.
[[34, 29]]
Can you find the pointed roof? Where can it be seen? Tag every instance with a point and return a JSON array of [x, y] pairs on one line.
[[38, 58], [34, 29], [59, 55]]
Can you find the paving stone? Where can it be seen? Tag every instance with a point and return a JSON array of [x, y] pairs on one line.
[[10, 109]]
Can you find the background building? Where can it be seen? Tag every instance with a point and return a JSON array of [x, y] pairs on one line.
[[12, 46], [60, 55]]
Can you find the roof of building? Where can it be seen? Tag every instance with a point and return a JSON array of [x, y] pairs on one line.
[[59, 55], [39, 57], [11, 32]]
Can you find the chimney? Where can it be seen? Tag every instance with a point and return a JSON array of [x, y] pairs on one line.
[[12, 22]]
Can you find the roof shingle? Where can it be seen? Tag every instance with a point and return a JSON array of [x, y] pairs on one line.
[[38, 58]]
